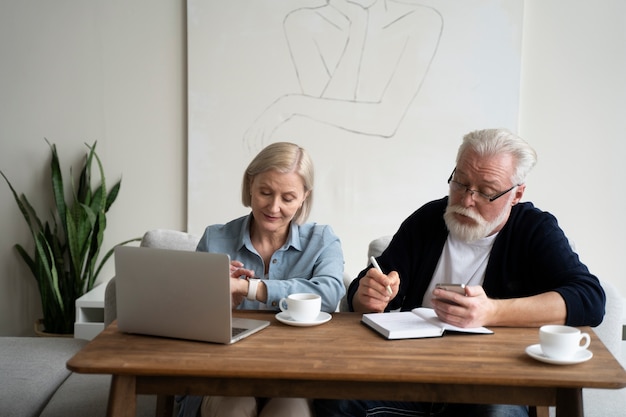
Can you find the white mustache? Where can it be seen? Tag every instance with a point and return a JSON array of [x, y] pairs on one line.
[[468, 213]]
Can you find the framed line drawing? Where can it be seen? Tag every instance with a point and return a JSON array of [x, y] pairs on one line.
[[379, 92]]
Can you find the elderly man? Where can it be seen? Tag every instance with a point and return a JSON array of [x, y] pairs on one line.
[[515, 261]]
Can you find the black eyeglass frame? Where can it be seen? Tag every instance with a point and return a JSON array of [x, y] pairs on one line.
[[491, 198]]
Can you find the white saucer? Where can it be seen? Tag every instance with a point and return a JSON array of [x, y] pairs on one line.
[[534, 351], [284, 317]]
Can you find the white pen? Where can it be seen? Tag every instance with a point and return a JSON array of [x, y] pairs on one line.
[[373, 260]]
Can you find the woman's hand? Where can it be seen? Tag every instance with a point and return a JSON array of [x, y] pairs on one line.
[[238, 271], [238, 285]]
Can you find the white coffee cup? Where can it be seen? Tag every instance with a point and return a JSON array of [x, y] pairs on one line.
[[562, 342], [302, 306]]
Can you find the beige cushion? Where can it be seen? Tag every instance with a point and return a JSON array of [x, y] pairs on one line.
[[377, 246]]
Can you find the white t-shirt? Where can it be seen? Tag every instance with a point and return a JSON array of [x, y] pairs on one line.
[[460, 263]]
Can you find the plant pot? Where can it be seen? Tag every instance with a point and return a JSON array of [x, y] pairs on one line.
[[40, 331]]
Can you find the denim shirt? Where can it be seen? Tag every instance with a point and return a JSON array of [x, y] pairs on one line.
[[311, 260]]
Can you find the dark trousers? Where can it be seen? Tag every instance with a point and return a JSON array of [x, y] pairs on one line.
[[353, 408]]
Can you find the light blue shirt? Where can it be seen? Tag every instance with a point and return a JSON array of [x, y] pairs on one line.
[[311, 260]]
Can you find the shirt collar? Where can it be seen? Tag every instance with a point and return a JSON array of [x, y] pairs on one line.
[[293, 239]]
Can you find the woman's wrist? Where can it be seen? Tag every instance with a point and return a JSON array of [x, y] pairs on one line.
[[253, 285]]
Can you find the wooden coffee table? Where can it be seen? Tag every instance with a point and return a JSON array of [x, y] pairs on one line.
[[343, 359]]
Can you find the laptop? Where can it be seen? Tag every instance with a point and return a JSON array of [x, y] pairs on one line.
[[177, 294]]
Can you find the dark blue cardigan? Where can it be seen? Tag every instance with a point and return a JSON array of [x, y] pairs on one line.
[[530, 255]]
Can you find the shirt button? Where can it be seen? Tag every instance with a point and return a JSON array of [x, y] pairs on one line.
[[274, 304], [274, 261]]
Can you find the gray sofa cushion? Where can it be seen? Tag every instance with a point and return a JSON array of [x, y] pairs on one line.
[[169, 239], [87, 395], [35, 381], [80, 395], [31, 369]]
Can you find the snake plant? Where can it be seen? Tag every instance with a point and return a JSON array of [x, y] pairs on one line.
[[66, 247]]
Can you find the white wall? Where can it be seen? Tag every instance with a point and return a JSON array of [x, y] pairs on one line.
[[573, 110], [76, 71]]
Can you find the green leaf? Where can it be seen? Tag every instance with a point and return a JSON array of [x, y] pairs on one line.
[[113, 195], [46, 257], [57, 182], [25, 208], [102, 194]]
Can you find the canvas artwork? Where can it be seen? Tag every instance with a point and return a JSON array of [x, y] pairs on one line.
[[379, 92]]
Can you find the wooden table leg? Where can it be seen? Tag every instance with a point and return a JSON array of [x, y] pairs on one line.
[[122, 397], [165, 406], [538, 411], [569, 403]]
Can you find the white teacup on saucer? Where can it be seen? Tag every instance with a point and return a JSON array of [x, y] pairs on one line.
[[303, 307], [562, 342]]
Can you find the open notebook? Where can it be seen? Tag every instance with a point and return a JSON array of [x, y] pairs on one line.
[[178, 294], [417, 323]]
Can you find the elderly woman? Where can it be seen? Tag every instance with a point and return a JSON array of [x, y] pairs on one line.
[[274, 253]]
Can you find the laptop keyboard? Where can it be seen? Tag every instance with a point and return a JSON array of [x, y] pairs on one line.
[[238, 330]]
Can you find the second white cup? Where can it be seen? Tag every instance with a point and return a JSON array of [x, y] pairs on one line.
[[562, 342], [302, 306]]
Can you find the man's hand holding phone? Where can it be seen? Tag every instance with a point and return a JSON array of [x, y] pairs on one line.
[[464, 306], [454, 288]]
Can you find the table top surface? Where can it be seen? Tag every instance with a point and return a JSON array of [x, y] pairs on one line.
[[345, 350]]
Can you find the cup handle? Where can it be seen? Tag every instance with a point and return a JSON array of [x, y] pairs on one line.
[[587, 339], [280, 304]]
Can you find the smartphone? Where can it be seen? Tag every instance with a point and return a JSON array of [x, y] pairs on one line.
[[457, 288]]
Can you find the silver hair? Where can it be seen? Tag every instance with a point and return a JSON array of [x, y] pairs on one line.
[[490, 142]]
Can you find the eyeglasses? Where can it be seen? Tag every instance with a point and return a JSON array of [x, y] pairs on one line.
[[459, 188]]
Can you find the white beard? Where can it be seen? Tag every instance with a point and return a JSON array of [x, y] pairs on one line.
[[471, 232]]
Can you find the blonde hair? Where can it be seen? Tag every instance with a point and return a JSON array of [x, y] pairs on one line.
[[283, 157]]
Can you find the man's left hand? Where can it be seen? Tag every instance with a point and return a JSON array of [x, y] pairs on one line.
[[473, 309]]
